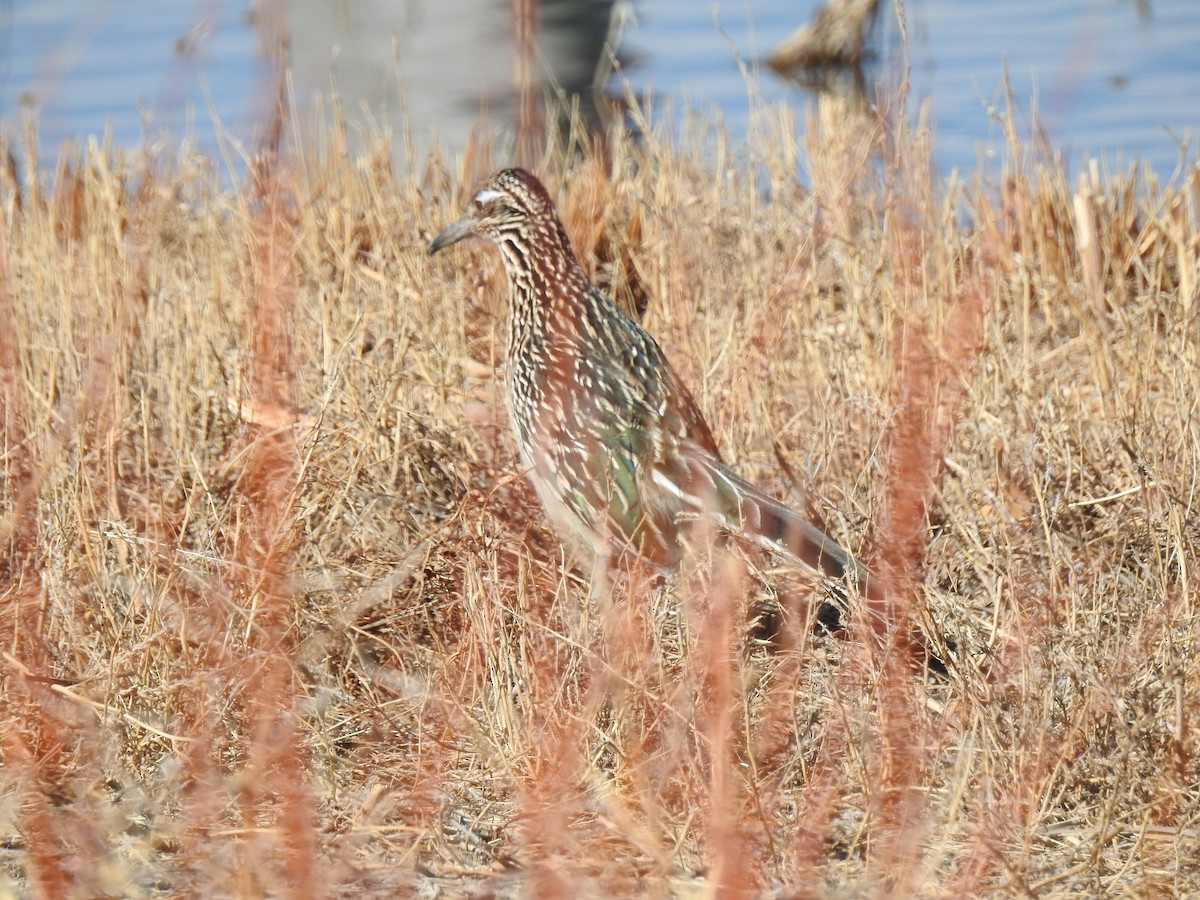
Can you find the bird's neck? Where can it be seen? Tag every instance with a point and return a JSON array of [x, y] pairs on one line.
[[545, 287]]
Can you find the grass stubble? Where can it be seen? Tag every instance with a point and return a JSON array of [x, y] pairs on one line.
[[282, 616]]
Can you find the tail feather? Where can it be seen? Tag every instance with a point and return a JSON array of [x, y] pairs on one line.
[[707, 487], [739, 506], [781, 527]]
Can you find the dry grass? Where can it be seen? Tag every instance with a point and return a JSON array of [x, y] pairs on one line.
[[281, 616]]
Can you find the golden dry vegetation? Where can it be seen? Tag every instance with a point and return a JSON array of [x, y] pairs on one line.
[[281, 615]]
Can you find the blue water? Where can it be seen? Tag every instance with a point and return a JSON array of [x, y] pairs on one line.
[[1105, 78], [1104, 81], [140, 70]]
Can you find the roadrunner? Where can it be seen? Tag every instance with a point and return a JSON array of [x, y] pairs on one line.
[[616, 447]]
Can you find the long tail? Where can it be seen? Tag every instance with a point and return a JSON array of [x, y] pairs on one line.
[[739, 506], [769, 522], [703, 481]]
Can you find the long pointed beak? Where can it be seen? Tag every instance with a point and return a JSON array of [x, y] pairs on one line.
[[452, 234]]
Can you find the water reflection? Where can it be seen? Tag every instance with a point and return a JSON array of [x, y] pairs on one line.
[[452, 67]]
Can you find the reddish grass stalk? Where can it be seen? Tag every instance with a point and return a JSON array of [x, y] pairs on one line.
[[553, 798], [34, 741], [551, 792], [931, 385], [276, 767], [732, 871], [531, 129]]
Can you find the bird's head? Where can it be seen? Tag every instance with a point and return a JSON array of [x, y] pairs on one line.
[[510, 204]]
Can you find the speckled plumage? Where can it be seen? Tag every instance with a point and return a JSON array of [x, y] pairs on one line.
[[620, 454]]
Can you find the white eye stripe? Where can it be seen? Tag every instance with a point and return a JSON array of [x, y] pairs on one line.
[[487, 196]]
